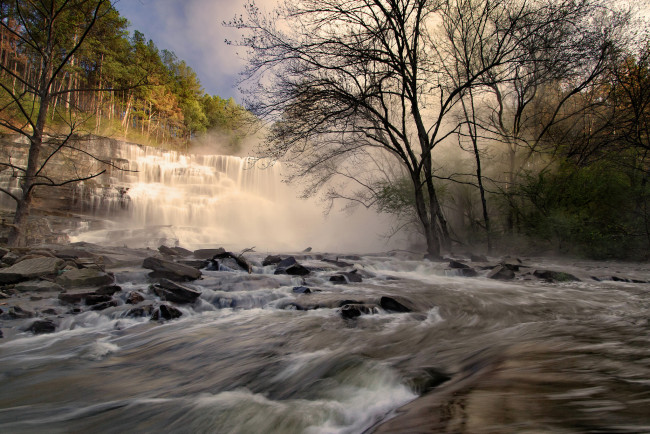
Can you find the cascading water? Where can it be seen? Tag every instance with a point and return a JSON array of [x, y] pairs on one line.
[[165, 197]]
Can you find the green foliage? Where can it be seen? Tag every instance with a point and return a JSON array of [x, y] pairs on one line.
[[599, 210]]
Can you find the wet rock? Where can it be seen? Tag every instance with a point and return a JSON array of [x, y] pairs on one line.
[[343, 278], [31, 269], [139, 311], [478, 258], [232, 261], [457, 264], [171, 291], [3, 252], [84, 277], [501, 273], [271, 260], [17, 312], [38, 286], [4, 295], [167, 251], [134, 297], [163, 268], [105, 305], [165, 312], [10, 258], [196, 263], [350, 311], [392, 304], [75, 296], [292, 267], [427, 379], [208, 253], [301, 290], [41, 326], [510, 266], [338, 263], [92, 299], [555, 276], [307, 250], [181, 251], [108, 290], [466, 272], [619, 279], [50, 311]]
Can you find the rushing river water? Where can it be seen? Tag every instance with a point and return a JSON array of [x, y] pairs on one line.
[[478, 356]]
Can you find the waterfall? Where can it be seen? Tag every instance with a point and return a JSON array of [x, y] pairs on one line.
[[166, 197]]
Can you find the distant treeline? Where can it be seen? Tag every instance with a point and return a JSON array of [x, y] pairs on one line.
[[121, 85]]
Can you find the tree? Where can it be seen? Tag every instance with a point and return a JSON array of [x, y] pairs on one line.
[[385, 74], [49, 33]]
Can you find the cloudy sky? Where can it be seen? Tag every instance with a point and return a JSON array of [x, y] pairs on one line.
[[193, 30]]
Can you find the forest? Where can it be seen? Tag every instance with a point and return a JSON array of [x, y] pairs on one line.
[[116, 84]]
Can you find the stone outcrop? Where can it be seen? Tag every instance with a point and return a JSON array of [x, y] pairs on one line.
[[31, 269], [163, 268]]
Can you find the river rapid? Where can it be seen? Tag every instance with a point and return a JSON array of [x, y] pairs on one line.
[[475, 355]]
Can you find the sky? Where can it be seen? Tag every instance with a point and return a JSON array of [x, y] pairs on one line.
[[193, 30]]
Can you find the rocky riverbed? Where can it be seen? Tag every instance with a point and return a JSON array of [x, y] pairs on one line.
[[115, 338]]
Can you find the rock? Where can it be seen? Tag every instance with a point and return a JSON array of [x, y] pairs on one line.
[[17, 312], [84, 277], [510, 266], [619, 279], [167, 251], [92, 299], [457, 264], [108, 290], [139, 311], [181, 251], [555, 276], [31, 269], [427, 379], [307, 250], [239, 261], [105, 305], [3, 252], [41, 326], [338, 263], [467, 272], [350, 311], [301, 290], [392, 304], [478, 258], [196, 263], [271, 260], [208, 253], [501, 273], [342, 278], [338, 279], [134, 297], [171, 291], [292, 267], [4, 295], [163, 268], [38, 286], [75, 296], [50, 311], [10, 258], [165, 312]]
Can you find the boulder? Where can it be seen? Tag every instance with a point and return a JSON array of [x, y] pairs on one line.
[[555, 276], [501, 273], [208, 253], [41, 326], [301, 290], [134, 297], [31, 269], [163, 268], [393, 304], [196, 263], [75, 296], [457, 264], [105, 305], [84, 277], [233, 261], [292, 267], [171, 291], [108, 290], [165, 312], [167, 251], [350, 311], [93, 299], [17, 312], [271, 260], [38, 286], [350, 277], [10, 258], [338, 263], [338, 279], [181, 251], [139, 311]]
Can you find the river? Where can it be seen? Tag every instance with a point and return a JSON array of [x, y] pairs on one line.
[[475, 356]]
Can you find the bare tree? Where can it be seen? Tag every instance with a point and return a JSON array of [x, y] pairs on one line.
[[338, 76], [42, 30]]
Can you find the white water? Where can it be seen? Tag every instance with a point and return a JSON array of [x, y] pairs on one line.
[[198, 201]]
